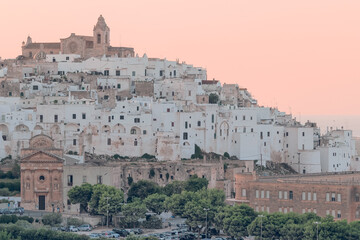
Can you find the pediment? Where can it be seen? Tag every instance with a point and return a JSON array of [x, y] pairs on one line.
[[41, 156]]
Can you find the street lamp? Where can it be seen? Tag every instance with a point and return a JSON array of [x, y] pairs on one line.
[[261, 217], [206, 210], [107, 218], [317, 230]]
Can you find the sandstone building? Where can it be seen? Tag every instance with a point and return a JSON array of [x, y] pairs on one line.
[[335, 194], [41, 175], [86, 46]]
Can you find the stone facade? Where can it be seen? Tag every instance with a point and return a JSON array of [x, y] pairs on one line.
[[85, 46], [41, 175], [324, 194]]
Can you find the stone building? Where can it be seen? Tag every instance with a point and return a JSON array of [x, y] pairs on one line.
[[86, 46], [41, 175], [335, 194]]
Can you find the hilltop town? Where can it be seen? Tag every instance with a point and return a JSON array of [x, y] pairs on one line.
[[83, 111]]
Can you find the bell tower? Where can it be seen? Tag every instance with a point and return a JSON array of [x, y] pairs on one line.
[[101, 36]]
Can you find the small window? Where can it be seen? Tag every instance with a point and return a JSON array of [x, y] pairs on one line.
[[185, 136], [70, 180], [99, 180], [291, 195], [144, 132], [35, 87], [84, 179], [74, 142], [106, 72], [117, 74], [67, 58], [133, 73], [74, 116], [56, 118], [84, 116], [41, 118], [136, 120], [121, 117], [109, 141], [119, 86], [41, 178], [199, 123]]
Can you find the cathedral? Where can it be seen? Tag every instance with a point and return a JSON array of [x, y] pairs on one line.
[[86, 46]]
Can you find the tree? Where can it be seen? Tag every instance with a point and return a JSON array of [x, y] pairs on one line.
[[155, 202], [111, 200], [198, 153], [175, 187], [213, 98], [133, 212], [16, 171], [98, 202], [142, 189], [233, 220], [195, 184], [5, 235], [200, 211], [81, 194], [176, 203]]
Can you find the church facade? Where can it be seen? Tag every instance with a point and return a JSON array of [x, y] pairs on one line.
[[86, 46], [41, 175]]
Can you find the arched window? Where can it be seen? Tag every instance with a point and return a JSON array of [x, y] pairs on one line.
[[106, 38], [41, 178], [99, 38], [133, 131]]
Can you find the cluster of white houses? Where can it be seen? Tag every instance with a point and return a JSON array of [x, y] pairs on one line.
[[136, 105], [66, 105]]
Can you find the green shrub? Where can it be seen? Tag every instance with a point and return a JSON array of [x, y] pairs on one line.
[[152, 222], [75, 222], [26, 218], [226, 155], [148, 156], [4, 192], [198, 153], [52, 219], [152, 173]]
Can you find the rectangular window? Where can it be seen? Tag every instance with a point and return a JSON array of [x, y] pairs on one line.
[[303, 196], [291, 195], [339, 197], [257, 194], [83, 116], [262, 194], [333, 199], [117, 73], [161, 73], [84, 179], [291, 209], [303, 134], [333, 213], [285, 210], [99, 180], [280, 209], [261, 135], [268, 134], [74, 116], [309, 196], [121, 117], [109, 141], [339, 214], [144, 132], [243, 192], [136, 120], [267, 194], [174, 73], [56, 118], [327, 212], [41, 118], [314, 196], [189, 93], [185, 135], [285, 195], [212, 118], [133, 73], [328, 197], [74, 142], [280, 194], [67, 58], [172, 124], [106, 72], [119, 86], [186, 124], [35, 87], [70, 180]]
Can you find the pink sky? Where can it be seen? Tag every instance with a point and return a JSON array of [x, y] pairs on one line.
[[302, 56]]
